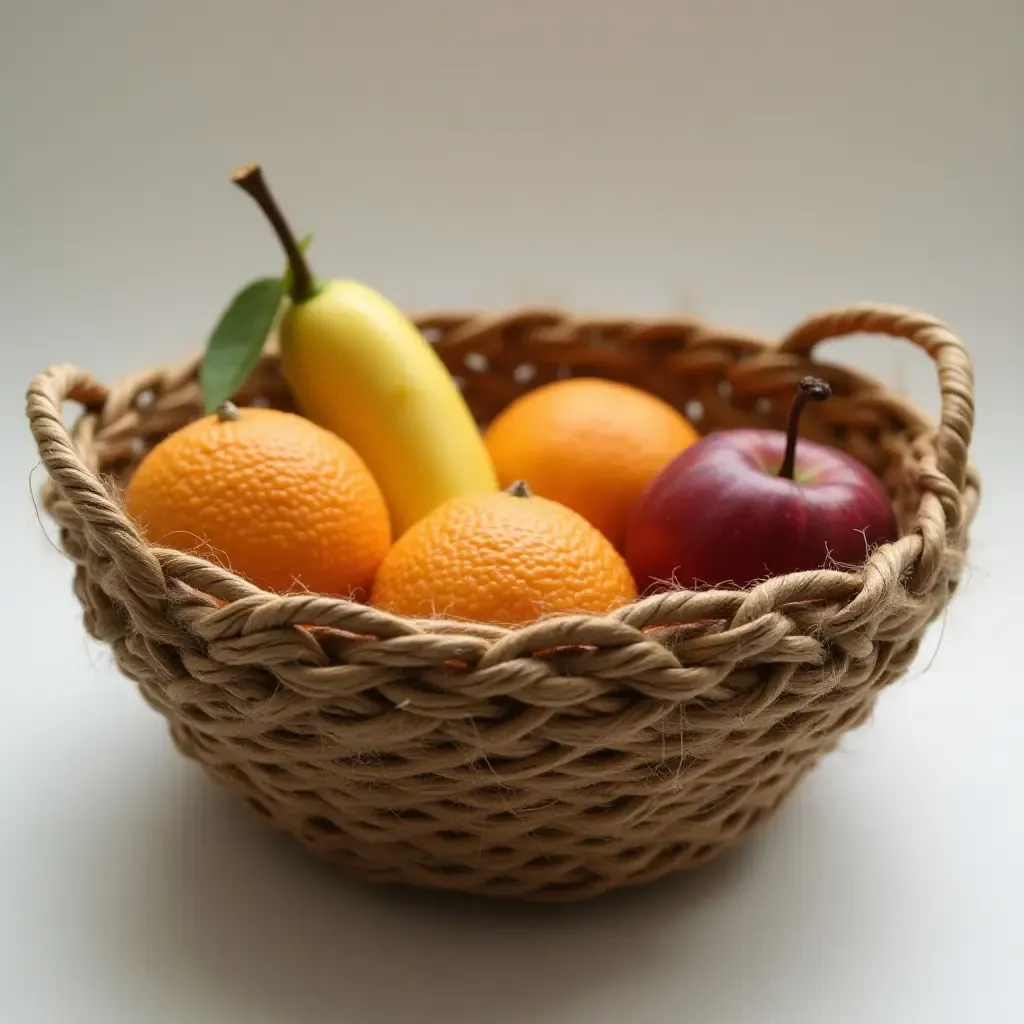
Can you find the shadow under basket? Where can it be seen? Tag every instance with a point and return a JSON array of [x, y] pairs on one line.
[[574, 755]]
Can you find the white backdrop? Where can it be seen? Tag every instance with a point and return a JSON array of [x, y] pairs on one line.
[[744, 161]]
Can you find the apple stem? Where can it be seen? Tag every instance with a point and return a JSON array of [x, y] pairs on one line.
[[812, 389], [250, 179]]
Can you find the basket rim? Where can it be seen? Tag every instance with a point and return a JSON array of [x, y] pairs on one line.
[[224, 602]]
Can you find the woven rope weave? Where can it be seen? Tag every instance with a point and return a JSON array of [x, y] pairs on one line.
[[570, 756]]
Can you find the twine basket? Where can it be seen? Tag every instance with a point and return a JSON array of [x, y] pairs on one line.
[[571, 756]]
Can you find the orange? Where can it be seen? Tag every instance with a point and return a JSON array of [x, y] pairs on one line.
[[505, 558], [268, 494], [589, 443]]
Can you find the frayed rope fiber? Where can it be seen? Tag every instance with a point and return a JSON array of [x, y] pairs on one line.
[[572, 756]]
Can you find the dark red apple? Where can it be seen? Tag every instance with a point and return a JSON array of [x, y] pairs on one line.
[[742, 505]]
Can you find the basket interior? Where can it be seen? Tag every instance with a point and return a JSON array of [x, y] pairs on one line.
[[744, 385]]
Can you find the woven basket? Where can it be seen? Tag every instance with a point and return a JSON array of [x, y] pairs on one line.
[[571, 756]]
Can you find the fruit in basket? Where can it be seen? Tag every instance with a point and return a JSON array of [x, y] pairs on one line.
[[358, 367], [742, 505], [504, 558], [268, 494], [588, 443]]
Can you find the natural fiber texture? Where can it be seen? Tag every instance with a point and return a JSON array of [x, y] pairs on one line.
[[571, 756]]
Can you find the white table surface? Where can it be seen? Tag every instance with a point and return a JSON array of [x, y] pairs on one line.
[[742, 164]]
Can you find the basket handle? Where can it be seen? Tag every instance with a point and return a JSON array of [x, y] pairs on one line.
[[106, 526], [956, 373]]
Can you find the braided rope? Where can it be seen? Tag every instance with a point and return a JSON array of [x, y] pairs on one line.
[[569, 756]]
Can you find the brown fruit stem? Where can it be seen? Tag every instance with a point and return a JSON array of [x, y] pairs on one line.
[[519, 489], [250, 179], [228, 412], [812, 389]]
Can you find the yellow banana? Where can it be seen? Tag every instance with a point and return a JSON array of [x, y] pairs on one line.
[[360, 368]]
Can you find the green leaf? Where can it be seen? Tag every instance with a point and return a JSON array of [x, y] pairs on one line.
[[236, 342], [303, 246]]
